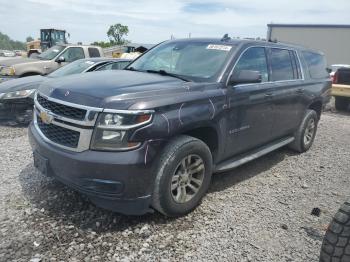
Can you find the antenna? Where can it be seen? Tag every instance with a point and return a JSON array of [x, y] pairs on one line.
[[225, 38]]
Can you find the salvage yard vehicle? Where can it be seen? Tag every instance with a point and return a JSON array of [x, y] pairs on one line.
[[47, 62], [16, 96], [48, 38], [341, 88], [150, 136]]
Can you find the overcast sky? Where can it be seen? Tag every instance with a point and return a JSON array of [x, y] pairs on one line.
[[151, 21]]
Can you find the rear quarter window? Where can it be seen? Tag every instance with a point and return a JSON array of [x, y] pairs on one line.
[[93, 52], [316, 64]]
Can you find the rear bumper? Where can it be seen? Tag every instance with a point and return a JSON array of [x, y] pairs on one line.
[[341, 90], [118, 181]]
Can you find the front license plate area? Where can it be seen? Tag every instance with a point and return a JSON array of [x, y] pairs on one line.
[[41, 163]]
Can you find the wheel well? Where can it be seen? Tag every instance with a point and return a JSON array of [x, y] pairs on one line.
[[208, 135], [29, 74], [317, 106]]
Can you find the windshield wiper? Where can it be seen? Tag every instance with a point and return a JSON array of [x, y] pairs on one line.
[[165, 73]]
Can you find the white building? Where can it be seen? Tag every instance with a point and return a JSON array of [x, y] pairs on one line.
[[332, 40]]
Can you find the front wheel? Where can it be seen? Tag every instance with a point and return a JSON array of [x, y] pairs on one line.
[[183, 176], [305, 135]]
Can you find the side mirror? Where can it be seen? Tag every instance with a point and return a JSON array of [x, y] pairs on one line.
[[245, 77], [61, 59], [329, 70]]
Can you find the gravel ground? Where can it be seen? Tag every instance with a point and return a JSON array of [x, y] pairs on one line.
[[258, 212]]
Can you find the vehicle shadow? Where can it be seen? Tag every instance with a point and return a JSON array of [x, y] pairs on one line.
[[221, 181], [53, 199]]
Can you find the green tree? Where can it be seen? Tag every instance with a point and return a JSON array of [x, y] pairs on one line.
[[29, 39], [116, 34], [9, 44], [102, 44]]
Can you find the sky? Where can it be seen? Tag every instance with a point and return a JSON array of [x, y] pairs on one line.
[[153, 21]]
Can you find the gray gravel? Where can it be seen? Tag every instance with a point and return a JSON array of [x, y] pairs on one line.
[[258, 212]]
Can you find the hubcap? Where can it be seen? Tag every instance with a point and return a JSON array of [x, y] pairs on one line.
[[309, 131], [187, 178]]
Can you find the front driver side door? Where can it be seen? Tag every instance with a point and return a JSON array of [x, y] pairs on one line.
[[249, 116], [70, 55]]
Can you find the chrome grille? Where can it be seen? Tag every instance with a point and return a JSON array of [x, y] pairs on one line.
[[60, 109], [60, 135]]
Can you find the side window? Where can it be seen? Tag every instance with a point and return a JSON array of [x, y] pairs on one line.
[[93, 52], [105, 67], [120, 65], [113, 66], [282, 65], [253, 59], [73, 53], [316, 64]]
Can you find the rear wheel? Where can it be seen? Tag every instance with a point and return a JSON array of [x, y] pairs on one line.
[[305, 135], [183, 176], [342, 103], [336, 243]]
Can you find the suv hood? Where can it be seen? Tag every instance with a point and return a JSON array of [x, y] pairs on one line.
[[114, 89], [16, 61], [24, 83]]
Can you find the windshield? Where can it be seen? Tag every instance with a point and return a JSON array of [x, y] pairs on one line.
[[197, 60], [51, 52], [75, 67]]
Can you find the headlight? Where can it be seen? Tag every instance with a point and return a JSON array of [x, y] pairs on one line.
[[112, 130], [17, 94], [7, 71]]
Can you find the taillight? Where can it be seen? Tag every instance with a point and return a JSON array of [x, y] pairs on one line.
[[335, 78]]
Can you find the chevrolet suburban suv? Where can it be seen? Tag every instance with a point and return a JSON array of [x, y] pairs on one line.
[[46, 62], [151, 136]]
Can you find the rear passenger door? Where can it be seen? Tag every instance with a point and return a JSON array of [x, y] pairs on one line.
[[287, 93]]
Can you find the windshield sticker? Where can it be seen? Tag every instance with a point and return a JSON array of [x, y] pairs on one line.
[[220, 47], [89, 62], [55, 50]]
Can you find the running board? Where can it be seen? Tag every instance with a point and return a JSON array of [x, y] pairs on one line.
[[240, 160]]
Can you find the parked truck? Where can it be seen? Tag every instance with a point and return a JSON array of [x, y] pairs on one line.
[[46, 62], [341, 88]]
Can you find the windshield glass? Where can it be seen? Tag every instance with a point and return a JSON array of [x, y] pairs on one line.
[[75, 67], [51, 52], [197, 60]]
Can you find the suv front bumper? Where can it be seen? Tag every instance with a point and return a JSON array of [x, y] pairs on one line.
[[118, 181]]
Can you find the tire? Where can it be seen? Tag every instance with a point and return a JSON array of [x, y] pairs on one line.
[[336, 242], [342, 103], [300, 144], [181, 152]]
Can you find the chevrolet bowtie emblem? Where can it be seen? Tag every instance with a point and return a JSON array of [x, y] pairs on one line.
[[45, 117]]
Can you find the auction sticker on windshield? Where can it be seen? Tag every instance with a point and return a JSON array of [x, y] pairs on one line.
[[219, 47]]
